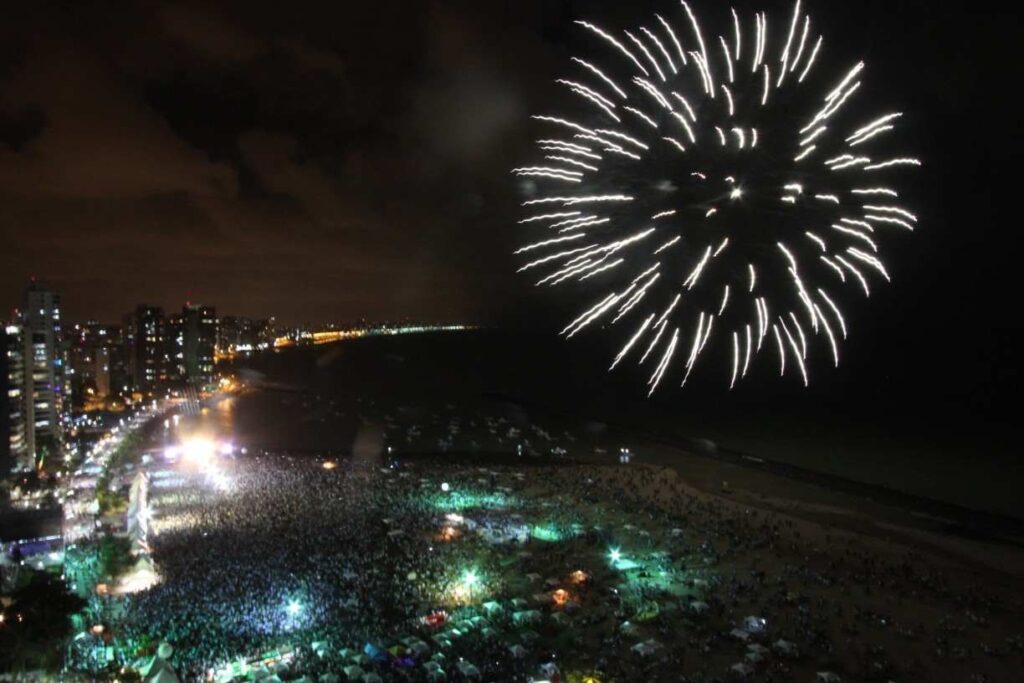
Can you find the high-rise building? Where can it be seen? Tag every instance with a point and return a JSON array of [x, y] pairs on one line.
[[97, 362], [14, 453], [145, 341], [237, 335], [45, 363], [199, 339]]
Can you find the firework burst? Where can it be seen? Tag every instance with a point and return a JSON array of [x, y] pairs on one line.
[[713, 188]]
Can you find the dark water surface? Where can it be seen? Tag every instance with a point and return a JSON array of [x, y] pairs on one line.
[[317, 398]]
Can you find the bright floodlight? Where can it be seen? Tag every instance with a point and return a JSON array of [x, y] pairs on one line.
[[445, 487], [294, 607], [615, 555], [198, 450], [470, 578]]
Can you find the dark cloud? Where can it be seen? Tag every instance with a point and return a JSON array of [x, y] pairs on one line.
[[315, 163]]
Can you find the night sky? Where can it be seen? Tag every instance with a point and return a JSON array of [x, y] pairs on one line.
[[328, 161]]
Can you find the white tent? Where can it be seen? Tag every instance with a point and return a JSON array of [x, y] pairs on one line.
[[741, 670], [468, 670], [647, 648]]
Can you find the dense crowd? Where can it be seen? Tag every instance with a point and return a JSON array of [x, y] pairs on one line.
[[296, 553]]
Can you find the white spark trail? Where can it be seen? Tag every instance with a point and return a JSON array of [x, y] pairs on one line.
[[668, 245], [803, 44], [782, 351], [547, 243], [835, 310], [647, 119], [810, 61], [675, 39], [739, 36], [550, 216], [859, 275], [647, 53], [746, 360], [735, 359], [661, 47], [629, 345], [893, 162], [654, 342], [600, 74], [622, 48], [873, 125], [796, 352], [663, 366], [833, 266], [829, 334], [703, 49], [876, 191]]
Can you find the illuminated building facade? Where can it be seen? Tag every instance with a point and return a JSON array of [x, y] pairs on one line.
[[14, 453], [97, 358], [44, 362], [145, 339], [198, 342]]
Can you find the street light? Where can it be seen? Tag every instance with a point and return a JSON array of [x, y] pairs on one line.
[[294, 608], [615, 555]]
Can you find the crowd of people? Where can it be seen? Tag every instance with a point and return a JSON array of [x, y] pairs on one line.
[[293, 553]]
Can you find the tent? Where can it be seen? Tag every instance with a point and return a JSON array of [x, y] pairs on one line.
[[785, 648], [740, 634], [647, 648], [518, 651], [353, 672], [550, 671], [468, 670], [375, 653], [528, 636], [754, 625], [372, 678], [741, 670], [530, 616], [699, 607]]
